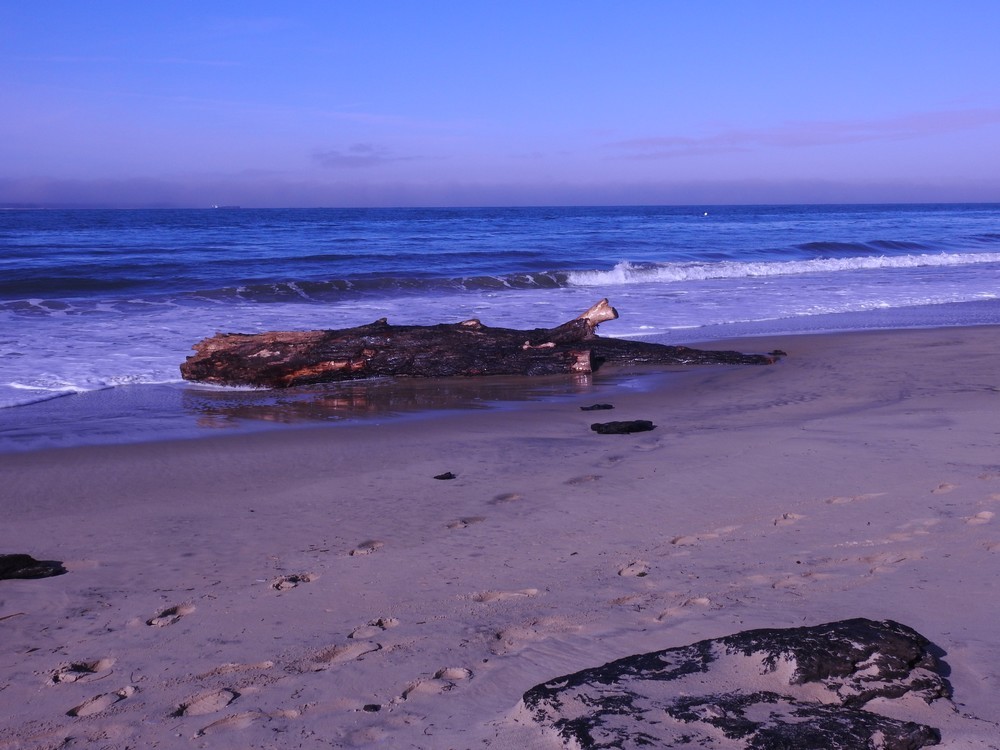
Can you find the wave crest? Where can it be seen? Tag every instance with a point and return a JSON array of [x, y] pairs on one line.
[[629, 273]]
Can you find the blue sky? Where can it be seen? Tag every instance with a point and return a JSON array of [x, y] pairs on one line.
[[427, 103]]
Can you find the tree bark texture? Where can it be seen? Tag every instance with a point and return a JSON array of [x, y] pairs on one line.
[[281, 359]]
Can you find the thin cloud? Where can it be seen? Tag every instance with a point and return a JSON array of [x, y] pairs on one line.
[[357, 156], [807, 134]]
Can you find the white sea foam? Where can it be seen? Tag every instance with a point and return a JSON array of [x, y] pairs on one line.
[[15, 394], [86, 352], [629, 273]]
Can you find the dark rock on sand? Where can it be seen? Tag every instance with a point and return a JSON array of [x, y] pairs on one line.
[[760, 690], [597, 407], [446, 475], [25, 566], [622, 428]]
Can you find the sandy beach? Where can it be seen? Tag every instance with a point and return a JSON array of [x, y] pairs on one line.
[[320, 588]]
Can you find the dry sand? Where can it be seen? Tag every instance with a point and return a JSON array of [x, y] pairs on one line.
[[319, 588]]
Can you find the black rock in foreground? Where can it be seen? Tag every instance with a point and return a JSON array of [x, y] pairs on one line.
[[25, 566], [773, 689]]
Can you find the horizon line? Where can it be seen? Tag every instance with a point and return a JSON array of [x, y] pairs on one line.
[[17, 206]]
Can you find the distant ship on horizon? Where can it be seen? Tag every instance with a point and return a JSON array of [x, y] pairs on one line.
[[217, 206]]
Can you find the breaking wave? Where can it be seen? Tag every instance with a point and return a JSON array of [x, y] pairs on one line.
[[645, 273], [623, 273]]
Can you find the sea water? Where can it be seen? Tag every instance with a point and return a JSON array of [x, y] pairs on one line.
[[104, 299]]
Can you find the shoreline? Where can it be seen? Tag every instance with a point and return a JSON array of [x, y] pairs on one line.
[[321, 583], [147, 412]]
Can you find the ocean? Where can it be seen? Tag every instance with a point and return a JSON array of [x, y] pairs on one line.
[[111, 301]]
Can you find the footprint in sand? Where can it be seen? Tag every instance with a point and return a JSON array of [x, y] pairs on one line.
[[334, 655], [992, 546], [464, 523], [367, 547], [841, 500], [686, 541], [373, 628], [787, 519], [282, 583], [648, 445], [692, 603], [170, 615], [637, 569], [444, 680], [516, 637], [983, 516], [102, 702], [233, 667], [609, 461], [499, 596], [206, 703], [795, 581], [911, 529], [689, 540], [506, 497], [844, 499], [884, 562], [236, 721], [453, 674], [634, 601], [585, 479], [82, 671], [943, 488]]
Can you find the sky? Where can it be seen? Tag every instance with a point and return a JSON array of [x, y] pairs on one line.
[[496, 103]]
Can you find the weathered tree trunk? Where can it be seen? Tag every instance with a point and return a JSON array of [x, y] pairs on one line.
[[280, 359]]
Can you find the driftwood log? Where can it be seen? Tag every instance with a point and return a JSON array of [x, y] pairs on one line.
[[280, 359]]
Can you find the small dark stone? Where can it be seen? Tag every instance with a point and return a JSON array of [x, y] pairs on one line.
[[25, 566], [446, 475], [622, 428], [371, 707], [597, 407], [778, 353]]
